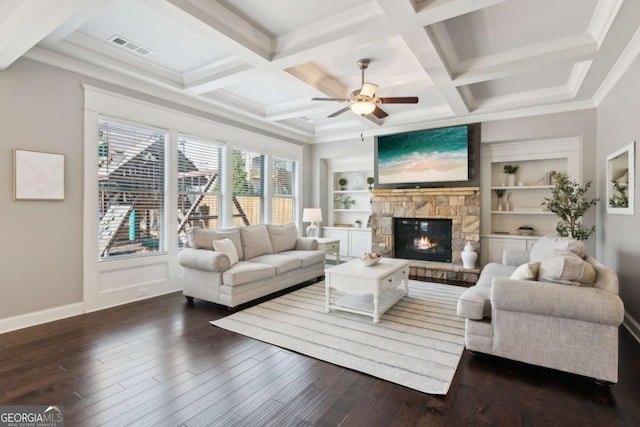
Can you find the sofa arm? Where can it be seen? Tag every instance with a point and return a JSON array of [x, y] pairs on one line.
[[556, 300], [515, 257], [306, 244], [203, 259]]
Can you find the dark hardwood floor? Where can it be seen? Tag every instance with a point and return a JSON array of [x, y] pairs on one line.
[[160, 362]]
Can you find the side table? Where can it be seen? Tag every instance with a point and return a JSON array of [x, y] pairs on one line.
[[330, 246]]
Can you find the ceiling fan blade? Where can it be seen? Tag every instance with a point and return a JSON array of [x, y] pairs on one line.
[[329, 99], [400, 100], [337, 113], [368, 89], [379, 113]]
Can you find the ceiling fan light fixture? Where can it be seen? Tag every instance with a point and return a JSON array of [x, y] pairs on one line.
[[362, 108]]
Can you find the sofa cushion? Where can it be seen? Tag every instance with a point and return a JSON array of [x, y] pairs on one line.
[[227, 247], [255, 241], [570, 270], [307, 257], [528, 271], [546, 245], [202, 238], [282, 263], [245, 272], [283, 237]]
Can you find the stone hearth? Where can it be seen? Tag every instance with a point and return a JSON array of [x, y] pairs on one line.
[[461, 205]]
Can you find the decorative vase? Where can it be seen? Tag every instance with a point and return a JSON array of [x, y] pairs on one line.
[[500, 203], [511, 179], [469, 256]]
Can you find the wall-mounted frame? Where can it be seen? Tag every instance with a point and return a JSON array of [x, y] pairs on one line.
[[621, 180], [37, 175]]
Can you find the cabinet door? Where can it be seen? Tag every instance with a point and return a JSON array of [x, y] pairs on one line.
[[343, 235], [497, 245], [359, 242], [531, 242]]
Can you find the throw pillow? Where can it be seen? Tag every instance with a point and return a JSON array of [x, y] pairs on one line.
[[528, 271], [255, 241], [570, 270], [283, 237], [546, 245], [201, 238], [227, 247]]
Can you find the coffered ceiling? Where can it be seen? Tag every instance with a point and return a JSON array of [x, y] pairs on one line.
[[259, 62]]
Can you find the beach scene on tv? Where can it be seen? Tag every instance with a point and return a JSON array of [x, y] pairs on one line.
[[433, 155]]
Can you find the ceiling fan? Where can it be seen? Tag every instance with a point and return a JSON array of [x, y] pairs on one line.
[[364, 101]]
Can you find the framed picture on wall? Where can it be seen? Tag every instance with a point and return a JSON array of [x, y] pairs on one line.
[[37, 175], [621, 180]]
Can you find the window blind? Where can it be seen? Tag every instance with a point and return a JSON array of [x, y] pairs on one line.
[[283, 186], [200, 172], [248, 187], [131, 189]]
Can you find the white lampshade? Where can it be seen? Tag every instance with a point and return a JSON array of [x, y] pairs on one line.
[[312, 215], [363, 108]]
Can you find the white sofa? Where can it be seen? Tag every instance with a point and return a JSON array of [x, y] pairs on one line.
[[563, 316], [270, 258]]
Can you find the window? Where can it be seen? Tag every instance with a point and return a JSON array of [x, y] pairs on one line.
[[200, 175], [248, 187], [131, 189], [283, 187]]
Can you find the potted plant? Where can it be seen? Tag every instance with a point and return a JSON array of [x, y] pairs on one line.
[[511, 170], [568, 202], [370, 181], [342, 183], [500, 193], [345, 201], [358, 223]]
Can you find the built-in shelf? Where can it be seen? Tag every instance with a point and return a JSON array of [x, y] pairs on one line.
[[351, 191], [352, 210]]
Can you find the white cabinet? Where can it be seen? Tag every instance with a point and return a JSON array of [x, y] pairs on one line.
[[492, 246], [354, 242], [359, 242]]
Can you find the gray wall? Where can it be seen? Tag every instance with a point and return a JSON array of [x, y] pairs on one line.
[[577, 123], [41, 109], [41, 250], [618, 235]]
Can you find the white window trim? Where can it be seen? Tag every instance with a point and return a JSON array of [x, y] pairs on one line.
[[118, 281]]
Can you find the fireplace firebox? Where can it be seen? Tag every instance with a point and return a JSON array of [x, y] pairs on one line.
[[427, 239]]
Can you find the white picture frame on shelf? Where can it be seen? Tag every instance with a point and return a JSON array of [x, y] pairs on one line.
[[621, 180], [38, 175]]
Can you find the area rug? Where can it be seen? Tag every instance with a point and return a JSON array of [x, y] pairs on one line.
[[418, 342]]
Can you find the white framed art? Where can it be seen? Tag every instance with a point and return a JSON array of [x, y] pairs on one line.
[[38, 175], [621, 180]]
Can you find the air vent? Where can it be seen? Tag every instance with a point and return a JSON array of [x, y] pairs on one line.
[[130, 46]]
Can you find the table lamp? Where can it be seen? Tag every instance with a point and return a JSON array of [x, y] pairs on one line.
[[312, 215]]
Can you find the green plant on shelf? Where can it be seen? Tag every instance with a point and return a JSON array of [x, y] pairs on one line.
[[499, 192], [344, 201], [342, 183], [510, 169]]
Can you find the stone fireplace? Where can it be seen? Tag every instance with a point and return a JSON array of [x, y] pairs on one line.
[[461, 205]]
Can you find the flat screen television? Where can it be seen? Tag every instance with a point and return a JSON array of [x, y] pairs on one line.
[[442, 157]]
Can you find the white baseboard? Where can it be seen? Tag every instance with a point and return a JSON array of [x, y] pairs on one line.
[[39, 317], [632, 326], [116, 297]]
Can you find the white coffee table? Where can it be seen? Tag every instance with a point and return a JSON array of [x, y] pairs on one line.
[[367, 290]]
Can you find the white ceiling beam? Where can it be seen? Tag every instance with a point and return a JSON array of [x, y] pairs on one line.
[[33, 20], [430, 12], [423, 45], [574, 48], [288, 110], [602, 19]]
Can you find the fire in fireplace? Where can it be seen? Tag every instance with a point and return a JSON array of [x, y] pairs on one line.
[[427, 239]]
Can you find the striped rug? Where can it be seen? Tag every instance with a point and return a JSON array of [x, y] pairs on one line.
[[418, 342]]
